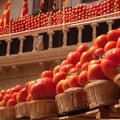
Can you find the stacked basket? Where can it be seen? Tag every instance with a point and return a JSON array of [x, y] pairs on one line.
[[102, 93], [71, 101]]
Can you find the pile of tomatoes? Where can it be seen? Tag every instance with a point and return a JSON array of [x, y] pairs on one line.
[[98, 62]]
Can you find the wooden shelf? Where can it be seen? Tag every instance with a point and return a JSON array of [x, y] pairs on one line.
[[105, 112]]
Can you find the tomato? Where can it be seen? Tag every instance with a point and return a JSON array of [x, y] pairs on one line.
[[6, 97], [21, 95], [11, 102], [59, 76], [78, 65], [113, 55], [73, 71], [111, 63], [47, 73], [73, 81], [95, 72], [59, 88], [64, 62], [109, 45], [73, 57], [82, 48], [17, 88], [82, 79], [86, 57], [98, 53], [100, 41], [1, 97], [118, 43], [37, 91], [29, 98], [85, 66], [56, 69], [113, 35], [65, 84], [66, 68]]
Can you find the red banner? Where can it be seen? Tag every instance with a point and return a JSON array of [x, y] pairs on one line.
[[6, 15], [24, 9], [42, 4]]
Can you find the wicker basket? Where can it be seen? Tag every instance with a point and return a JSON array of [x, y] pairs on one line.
[[117, 79], [42, 109], [22, 110], [101, 93], [7, 113], [72, 100]]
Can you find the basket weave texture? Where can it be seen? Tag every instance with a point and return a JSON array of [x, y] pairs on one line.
[[117, 79], [22, 110], [73, 99], [7, 113], [102, 92], [42, 108]]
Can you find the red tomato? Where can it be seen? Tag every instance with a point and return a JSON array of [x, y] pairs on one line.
[[73, 71], [73, 81], [66, 68], [98, 53], [59, 76], [29, 98], [7, 97], [21, 95], [56, 69], [1, 97], [86, 57], [113, 55], [109, 45], [47, 73], [64, 62], [82, 79], [78, 65], [73, 57], [59, 88], [85, 66], [118, 43], [111, 63], [100, 41], [113, 35], [95, 72], [82, 48], [65, 84], [11, 102]]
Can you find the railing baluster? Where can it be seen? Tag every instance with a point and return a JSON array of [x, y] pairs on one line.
[[65, 30], [94, 25], [80, 28], [110, 23], [50, 33], [8, 46], [21, 44]]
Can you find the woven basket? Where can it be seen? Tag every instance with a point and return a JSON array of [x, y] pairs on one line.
[[117, 79], [22, 110], [101, 93], [42, 109], [7, 113], [73, 99]]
